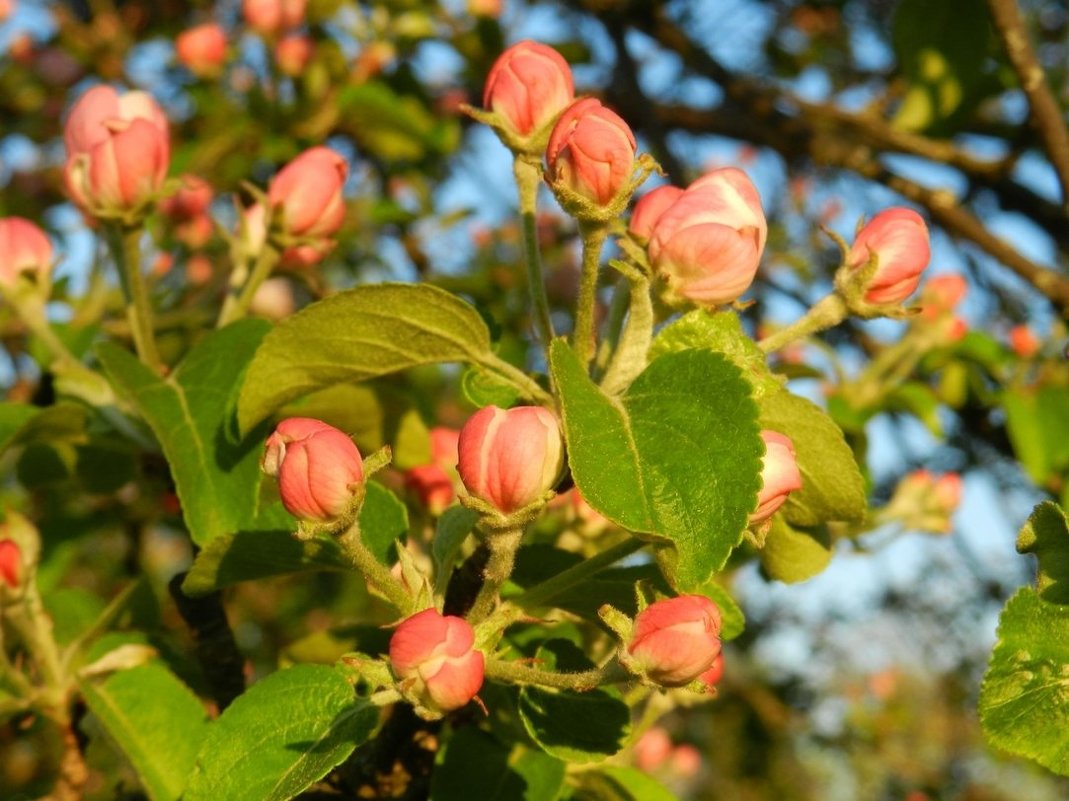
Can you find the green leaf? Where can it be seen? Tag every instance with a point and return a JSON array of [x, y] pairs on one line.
[[677, 457], [191, 414], [356, 335], [483, 388], [281, 736], [156, 722], [1024, 703], [1046, 534], [732, 620], [454, 526], [251, 555], [503, 774], [1039, 429], [576, 727], [21, 424], [612, 783], [791, 555], [832, 486]]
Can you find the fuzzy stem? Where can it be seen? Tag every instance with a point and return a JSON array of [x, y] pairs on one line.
[[517, 673], [125, 244], [614, 323], [827, 312], [539, 594], [528, 178], [524, 384], [583, 338], [376, 573], [503, 546], [238, 301]]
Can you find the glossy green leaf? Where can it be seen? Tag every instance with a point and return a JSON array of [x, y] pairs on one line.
[[154, 720], [614, 783], [1046, 534], [454, 526], [282, 735], [356, 335], [792, 554], [1024, 697], [251, 555], [677, 457], [502, 774], [832, 486], [191, 414]]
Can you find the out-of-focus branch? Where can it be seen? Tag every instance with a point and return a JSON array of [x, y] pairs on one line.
[[1046, 116]]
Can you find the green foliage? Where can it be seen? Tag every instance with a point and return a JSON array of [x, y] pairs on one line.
[[503, 774], [677, 457], [281, 736], [21, 424], [154, 720], [191, 414], [793, 554], [1046, 534], [613, 783], [1038, 426]]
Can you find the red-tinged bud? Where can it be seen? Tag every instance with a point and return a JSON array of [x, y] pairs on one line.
[[925, 501], [202, 49], [7, 7], [272, 17], [1024, 342], [292, 54], [195, 233], [676, 640], [708, 244], [779, 475], [591, 152], [529, 85], [318, 468], [192, 199], [301, 257], [434, 658], [898, 238], [118, 151], [307, 193], [712, 676], [24, 249], [685, 761], [199, 270], [941, 294], [10, 564], [510, 458], [946, 492], [652, 749], [445, 447], [649, 208], [274, 299], [955, 330], [432, 485]]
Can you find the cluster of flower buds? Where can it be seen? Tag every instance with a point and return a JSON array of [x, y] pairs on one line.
[[939, 300], [202, 49], [293, 52], [527, 88], [188, 208], [655, 752], [270, 18], [705, 242], [925, 502], [1024, 342], [779, 475], [25, 250], [434, 659], [433, 483], [118, 152]]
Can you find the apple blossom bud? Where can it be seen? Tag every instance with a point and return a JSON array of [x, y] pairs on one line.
[[432, 485], [1024, 342], [118, 151], [10, 564], [192, 199], [202, 49], [591, 152], [898, 237], [307, 193], [685, 761], [946, 492], [779, 475], [942, 293], [272, 17], [676, 640], [652, 749], [712, 676], [292, 54], [317, 467], [435, 656], [649, 209], [528, 86], [485, 8], [24, 248], [274, 299], [708, 244], [510, 458], [445, 447], [925, 501]]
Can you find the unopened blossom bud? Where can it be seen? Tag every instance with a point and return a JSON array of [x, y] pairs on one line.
[[708, 244], [292, 54], [118, 151], [946, 492], [202, 49], [432, 485], [274, 299], [1024, 342], [510, 458], [652, 749], [779, 475], [529, 85], [10, 564], [192, 199], [685, 761], [649, 209], [434, 658], [898, 238], [942, 293], [925, 501], [318, 468], [676, 640], [272, 17], [307, 193], [712, 676], [24, 248], [591, 152]]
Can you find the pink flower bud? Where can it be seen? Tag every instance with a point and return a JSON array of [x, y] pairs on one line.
[[436, 655], [712, 676], [528, 86], [272, 17], [942, 294], [686, 761], [898, 238], [676, 640], [10, 564], [118, 151], [1024, 342], [946, 492], [445, 447], [649, 209], [432, 485], [708, 244], [779, 475], [24, 248], [307, 193], [510, 458], [317, 467], [202, 49], [192, 199], [274, 299], [292, 54], [652, 749], [591, 151]]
